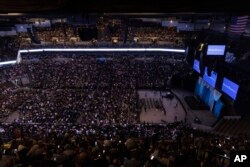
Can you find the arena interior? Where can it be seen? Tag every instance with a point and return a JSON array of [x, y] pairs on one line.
[[123, 89]]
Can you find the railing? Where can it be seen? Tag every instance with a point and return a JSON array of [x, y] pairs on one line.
[[236, 117]]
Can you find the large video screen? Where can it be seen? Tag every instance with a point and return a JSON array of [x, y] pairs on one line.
[[216, 50], [230, 88], [211, 80], [196, 65]]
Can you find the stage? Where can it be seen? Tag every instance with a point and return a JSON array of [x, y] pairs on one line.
[[174, 109], [170, 109]]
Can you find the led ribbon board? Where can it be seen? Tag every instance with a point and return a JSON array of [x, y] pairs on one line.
[[102, 50], [91, 50], [97, 50], [8, 62]]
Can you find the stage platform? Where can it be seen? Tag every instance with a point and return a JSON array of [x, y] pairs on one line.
[[176, 109], [206, 117], [170, 110]]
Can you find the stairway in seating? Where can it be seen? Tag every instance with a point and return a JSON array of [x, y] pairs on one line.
[[220, 127], [233, 127], [33, 36], [34, 29], [245, 126]]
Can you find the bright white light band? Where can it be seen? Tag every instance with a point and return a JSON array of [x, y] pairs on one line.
[[102, 50], [97, 50], [90, 50], [8, 62]]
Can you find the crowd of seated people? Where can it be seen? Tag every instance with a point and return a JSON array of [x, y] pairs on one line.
[[62, 34], [83, 111], [116, 32], [89, 84], [62, 31], [23, 35], [9, 46], [78, 145], [161, 33], [8, 96], [145, 34]]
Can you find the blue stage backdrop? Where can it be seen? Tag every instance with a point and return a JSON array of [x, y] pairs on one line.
[[209, 96]]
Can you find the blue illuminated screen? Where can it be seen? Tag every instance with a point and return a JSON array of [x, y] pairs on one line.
[[196, 65], [211, 80], [230, 88], [216, 50]]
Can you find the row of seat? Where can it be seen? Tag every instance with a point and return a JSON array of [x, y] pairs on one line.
[[233, 127], [151, 103]]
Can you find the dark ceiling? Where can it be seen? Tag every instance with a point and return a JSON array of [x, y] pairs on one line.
[[123, 6]]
